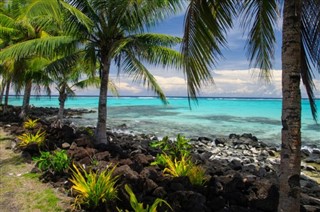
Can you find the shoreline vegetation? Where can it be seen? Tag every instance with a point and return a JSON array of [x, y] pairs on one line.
[[240, 171]]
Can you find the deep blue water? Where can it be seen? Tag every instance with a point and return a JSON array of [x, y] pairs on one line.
[[210, 117]]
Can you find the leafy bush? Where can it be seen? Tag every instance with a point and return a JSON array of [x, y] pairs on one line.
[[93, 188], [138, 207], [185, 167], [30, 124], [57, 161], [28, 138], [177, 149]]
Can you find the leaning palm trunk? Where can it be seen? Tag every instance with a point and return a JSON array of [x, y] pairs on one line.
[[2, 87], [291, 109], [6, 98], [100, 134], [26, 100], [62, 99]]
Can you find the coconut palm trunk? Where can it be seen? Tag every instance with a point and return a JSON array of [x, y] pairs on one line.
[[3, 85], [100, 134], [291, 108], [6, 97], [62, 101], [26, 99]]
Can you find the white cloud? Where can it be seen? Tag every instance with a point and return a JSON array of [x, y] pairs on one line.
[[233, 83]]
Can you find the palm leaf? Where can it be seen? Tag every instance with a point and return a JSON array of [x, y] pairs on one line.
[[41, 46], [78, 20], [205, 27], [140, 73], [259, 17], [310, 55]]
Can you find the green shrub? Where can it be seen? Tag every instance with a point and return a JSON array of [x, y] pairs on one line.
[[138, 207], [30, 124], [29, 138], [176, 149], [58, 161], [92, 188]]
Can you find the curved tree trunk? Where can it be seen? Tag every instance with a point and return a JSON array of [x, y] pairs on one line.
[[6, 98], [291, 109], [62, 100], [26, 99], [3, 85], [100, 134]]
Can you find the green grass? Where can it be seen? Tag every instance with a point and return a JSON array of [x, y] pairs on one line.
[[32, 175], [21, 190], [46, 200]]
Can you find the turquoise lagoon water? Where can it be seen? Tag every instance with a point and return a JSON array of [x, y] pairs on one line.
[[211, 117]]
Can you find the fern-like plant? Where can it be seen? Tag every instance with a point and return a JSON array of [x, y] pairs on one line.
[[30, 124], [92, 188], [138, 207], [29, 138]]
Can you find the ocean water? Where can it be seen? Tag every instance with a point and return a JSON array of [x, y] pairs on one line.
[[210, 117]]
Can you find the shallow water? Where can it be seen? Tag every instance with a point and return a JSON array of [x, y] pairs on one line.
[[210, 117]]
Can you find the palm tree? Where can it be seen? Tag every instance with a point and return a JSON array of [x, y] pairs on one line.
[[300, 56], [16, 28], [67, 72], [33, 76], [117, 34], [205, 27]]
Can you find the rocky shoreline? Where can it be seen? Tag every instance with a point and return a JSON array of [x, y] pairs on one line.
[[241, 170]]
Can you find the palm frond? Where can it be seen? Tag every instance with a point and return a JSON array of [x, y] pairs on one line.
[[79, 20], [6, 31], [113, 88], [42, 46], [205, 27], [92, 81], [62, 64], [259, 18], [310, 55], [157, 39], [140, 73], [7, 21], [153, 49]]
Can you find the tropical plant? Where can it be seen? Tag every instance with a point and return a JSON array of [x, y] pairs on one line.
[[29, 138], [30, 123], [17, 28], [138, 207], [57, 162], [184, 167], [176, 148], [93, 189]]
